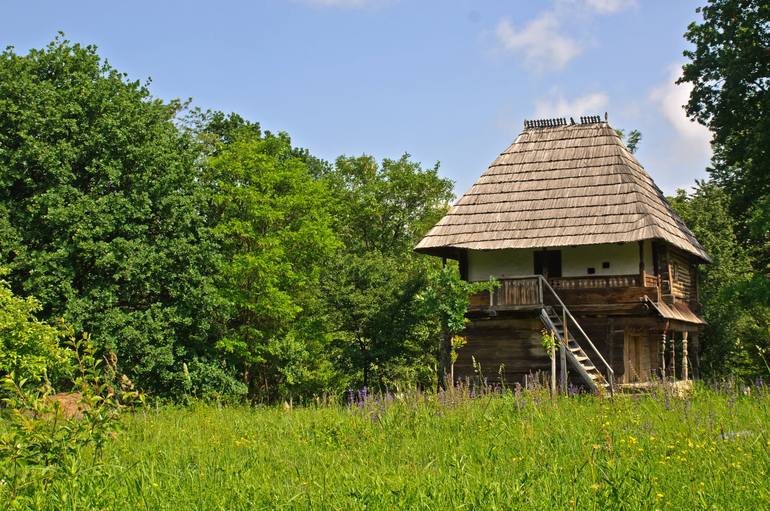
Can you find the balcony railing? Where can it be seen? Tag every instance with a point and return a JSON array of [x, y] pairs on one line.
[[527, 292], [595, 282]]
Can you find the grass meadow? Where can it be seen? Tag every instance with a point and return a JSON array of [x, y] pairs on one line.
[[509, 450]]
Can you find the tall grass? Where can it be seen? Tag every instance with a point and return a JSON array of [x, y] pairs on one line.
[[501, 450]]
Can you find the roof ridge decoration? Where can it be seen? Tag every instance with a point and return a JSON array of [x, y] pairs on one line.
[[590, 119], [545, 123], [555, 122], [615, 202]]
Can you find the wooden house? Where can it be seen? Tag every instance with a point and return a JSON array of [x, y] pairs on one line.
[[583, 244]]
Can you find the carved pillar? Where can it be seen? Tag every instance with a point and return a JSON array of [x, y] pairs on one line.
[[672, 360], [685, 371]]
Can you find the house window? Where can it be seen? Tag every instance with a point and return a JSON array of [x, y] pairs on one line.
[[591, 271], [606, 264]]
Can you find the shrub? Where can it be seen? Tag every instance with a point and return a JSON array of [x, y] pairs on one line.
[[49, 436], [29, 348]]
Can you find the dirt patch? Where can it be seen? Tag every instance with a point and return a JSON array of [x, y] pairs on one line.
[[71, 404]]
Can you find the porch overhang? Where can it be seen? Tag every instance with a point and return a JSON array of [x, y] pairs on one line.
[[679, 313]]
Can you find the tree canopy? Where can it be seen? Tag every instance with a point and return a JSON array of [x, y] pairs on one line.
[[729, 69], [212, 257], [101, 216]]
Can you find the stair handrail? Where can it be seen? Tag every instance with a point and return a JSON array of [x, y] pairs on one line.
[[610, 372]]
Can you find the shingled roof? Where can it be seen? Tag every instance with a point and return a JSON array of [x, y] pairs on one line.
[[560, 185]]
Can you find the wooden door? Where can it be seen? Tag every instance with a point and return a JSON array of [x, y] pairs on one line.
[[636, 357], [548, 263]]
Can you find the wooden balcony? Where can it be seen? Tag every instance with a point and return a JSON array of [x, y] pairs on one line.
[[587, 293]]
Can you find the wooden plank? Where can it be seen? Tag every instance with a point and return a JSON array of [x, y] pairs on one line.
[[605, 296], [513, 343]]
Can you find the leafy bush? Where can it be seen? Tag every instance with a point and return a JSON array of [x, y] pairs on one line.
[[29, 348], [49, 436]]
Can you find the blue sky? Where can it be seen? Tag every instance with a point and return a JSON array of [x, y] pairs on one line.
[[449, 81]]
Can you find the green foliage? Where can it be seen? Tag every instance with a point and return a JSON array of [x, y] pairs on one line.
[[29, 348], [271, 220], [212, 257], [373, 282], [48, 437], [632, 140], [101, 211], [729, 68], [445, 451], [446, 296], [735, 298], [549, 341], [444, 303]]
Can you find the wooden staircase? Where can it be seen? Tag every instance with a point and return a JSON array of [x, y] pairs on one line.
[[577, 357], [588, 367]]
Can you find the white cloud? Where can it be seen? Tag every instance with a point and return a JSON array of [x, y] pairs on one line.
[[670, 99], [609, 6], [541, 41], [559, 106], [676, 151]]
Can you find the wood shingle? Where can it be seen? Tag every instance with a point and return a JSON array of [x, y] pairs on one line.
[[556, 186]]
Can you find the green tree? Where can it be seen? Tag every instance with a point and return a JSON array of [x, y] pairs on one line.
[[735, 301], [631, 140], [372, 285], [101, 214], [271, 219], [29, 348], [729, 68], [445, 302]]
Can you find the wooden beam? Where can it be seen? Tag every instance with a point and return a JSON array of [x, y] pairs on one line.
[[553, 371], [563, 364]]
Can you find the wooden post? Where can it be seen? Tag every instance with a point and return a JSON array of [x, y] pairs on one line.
[[553, 372], [563, 349], [540, 289], [663, 355], [672, 360], [563, 364], [685, 371]]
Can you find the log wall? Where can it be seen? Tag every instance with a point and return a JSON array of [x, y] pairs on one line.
[[630, 344], [512, 342]]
